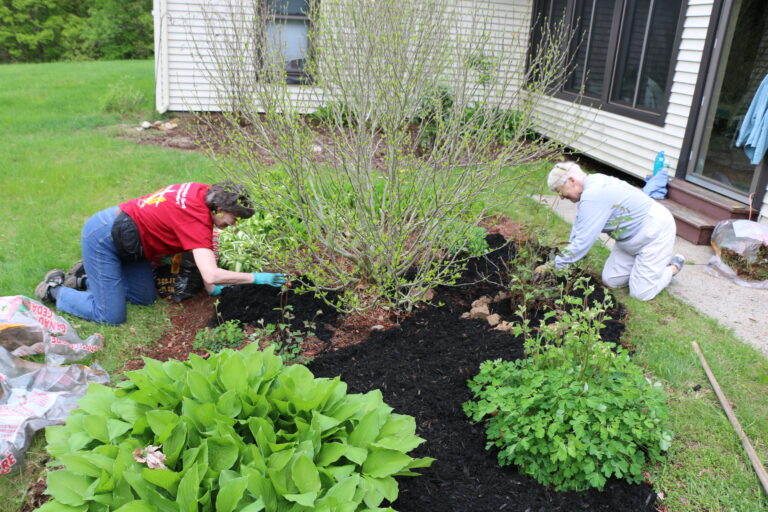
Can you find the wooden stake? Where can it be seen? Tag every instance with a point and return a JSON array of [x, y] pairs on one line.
[[756, 464]]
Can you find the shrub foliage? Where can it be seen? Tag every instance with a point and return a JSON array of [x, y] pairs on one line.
[[238, 431], [575, 413]]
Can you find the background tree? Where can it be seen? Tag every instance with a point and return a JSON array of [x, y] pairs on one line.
[[119, 29], [32, 30], [50, 30]]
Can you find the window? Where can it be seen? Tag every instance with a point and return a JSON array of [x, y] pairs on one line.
[[622, 51], [289, 31]]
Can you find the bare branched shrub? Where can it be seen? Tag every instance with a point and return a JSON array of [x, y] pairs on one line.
[[427, 107]]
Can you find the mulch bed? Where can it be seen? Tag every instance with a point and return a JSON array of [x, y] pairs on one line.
[[421, 364]]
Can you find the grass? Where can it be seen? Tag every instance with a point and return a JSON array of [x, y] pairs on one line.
[[62, 163]]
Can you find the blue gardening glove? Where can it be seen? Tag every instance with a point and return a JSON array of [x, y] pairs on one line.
[[276, 280], [217, 289]]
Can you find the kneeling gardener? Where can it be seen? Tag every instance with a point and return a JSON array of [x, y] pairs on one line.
[[119, 243], [644, 230]]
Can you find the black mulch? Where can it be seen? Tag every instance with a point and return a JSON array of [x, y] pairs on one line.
[[422, 367]]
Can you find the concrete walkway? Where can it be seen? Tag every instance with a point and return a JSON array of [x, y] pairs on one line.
[[740, 308]]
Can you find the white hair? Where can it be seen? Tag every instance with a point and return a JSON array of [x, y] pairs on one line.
[[560, 174]]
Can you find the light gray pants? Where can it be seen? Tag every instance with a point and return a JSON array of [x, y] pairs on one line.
[[642, 261]]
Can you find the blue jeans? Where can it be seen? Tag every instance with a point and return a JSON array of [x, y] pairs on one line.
[[111, 282]]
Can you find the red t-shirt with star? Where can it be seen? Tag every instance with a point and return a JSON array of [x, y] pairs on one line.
[[172, 220]]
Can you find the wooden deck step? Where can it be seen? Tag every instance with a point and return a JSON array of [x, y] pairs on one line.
[[692, 225], [706, 202]]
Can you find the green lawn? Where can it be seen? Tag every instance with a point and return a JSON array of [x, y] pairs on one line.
[[62, 162]]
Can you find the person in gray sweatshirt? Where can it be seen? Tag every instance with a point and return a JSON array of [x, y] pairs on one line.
[[644, 230]]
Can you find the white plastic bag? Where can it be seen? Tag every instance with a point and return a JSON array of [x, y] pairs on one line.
[[34, 396], [29, 327]]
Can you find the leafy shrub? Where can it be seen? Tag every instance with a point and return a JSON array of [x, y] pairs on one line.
[[576, 412], [466, 239], [256, 243], [226, 335], [123, 98], [332, 113], [239, 431]]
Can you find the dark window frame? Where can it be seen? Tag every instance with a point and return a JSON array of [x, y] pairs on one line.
[[612, 67], [301, 77]]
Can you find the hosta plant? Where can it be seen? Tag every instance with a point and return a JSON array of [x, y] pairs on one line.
[[237, 431]]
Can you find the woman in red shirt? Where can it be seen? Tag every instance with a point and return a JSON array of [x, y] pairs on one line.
[[119, 243]]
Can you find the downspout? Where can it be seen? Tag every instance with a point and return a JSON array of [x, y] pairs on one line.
[[160, 14]]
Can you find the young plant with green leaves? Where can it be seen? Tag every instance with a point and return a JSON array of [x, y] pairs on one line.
[[226, 335], [283, 336], [577, 411], [238, 431], [376, 210]]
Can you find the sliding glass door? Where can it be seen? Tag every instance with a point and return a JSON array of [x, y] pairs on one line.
[[741, 63]]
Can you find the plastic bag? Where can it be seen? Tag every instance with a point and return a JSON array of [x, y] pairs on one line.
[[34, 396], [29, 327], [741, 252], [177, 277]]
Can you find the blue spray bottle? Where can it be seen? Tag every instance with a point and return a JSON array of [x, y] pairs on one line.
[[659, 163]]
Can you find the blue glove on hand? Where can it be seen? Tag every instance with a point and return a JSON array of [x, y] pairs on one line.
[[276, 280], [217, 289]]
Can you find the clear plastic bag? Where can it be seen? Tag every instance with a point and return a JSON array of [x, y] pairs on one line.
[[34, 396], [29, 327], [741, 252]]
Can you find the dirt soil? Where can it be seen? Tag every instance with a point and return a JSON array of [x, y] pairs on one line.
[[421, 363]]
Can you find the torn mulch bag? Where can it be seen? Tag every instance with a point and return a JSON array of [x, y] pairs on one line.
[[34, 396], [29, 327], [741, 252]]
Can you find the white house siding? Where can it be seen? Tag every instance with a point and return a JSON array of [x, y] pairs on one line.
[[181, 36], [182, 80], [625, 143]]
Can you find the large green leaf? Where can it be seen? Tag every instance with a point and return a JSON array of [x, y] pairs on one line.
[[116, 428], [165, 478], [387, 486], [136, 506], [344, 489], [98, 401], [260, 486], [233, 375], [305, 475], [55, 506], [367, 430], [222, 453], [80, 464], [330, 453], [96, 427], [230, 494], [356, 455], [162, 423], [400, 443], [148, 493], [189, 487], [229, 404], [305, 499], [382, 462], [199, 387], [68, 487], [175, 443]]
